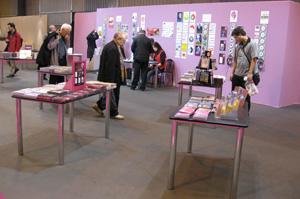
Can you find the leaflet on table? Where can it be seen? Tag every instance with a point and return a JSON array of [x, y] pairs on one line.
[[201, 114]]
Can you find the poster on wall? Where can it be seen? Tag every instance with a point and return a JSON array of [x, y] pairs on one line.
[[118, 27], [143, 27], [211, 40], [183, 55], [184, 38], [118, 18], [111, 22], [124, 28], [198, 50], [104, 34], [193, 17], [184, 47], [211, 49], [221, 58], [168, 29], [233, 16], [143, 19], [198, 39], [178, 37], [206, 18], [100, 32], [192, 28], [134, 19], [179, 16], [153, 32], [185, 27], [191, 38], [223, 45], [178, 46], [224, 31], [264, 17], [212, 28], [199, 27], [177, 54], [186, 17], [179, 27], [191, 50]]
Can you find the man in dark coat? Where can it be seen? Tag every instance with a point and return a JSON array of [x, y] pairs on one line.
[[91, 40], [110, 71], [141, 48]]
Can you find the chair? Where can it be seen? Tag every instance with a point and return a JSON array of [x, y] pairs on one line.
[[167, 72]]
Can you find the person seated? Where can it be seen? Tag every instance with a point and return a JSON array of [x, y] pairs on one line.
[[159, 55]]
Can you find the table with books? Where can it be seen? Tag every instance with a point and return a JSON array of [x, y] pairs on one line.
[[55, 94], [230, 112]]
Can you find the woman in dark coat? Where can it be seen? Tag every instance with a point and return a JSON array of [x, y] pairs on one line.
[[91, 40]]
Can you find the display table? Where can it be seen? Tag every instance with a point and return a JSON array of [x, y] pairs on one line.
[[218, 92], [150, 62], [61, 118], [240, 124]]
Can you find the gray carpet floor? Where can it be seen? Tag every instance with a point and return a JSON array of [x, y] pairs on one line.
[[133, 162]]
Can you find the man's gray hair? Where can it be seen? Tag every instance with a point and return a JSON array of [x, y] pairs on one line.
[[66, 27], [51, 27]]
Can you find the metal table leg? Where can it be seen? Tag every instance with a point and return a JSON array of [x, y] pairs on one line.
[[1, 71], [236, 168], [19, 126], [156, 68], [218, 93], [172, 155], [61, 133], [40, 84], [180, 94], [71, 115], [190, 138], [107, 113], [190, 91], [22, 64]]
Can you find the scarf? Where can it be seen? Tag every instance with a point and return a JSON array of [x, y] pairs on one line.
[[61, 47], [123, 71]]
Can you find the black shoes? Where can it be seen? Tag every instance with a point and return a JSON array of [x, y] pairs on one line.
[[10, 75], [132, 88], [16, 70], [142, 89]]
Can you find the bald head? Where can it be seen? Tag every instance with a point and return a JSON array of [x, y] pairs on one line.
[[119, 38]]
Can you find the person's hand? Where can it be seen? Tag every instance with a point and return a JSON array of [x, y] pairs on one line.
[[249, 77], [151, 66], [57, 37], [231, 76], [6, 40], [67, 37]]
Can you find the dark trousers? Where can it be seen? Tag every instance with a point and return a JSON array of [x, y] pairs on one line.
[[114, 102], [140, 68], [55, 79], [239, 81]]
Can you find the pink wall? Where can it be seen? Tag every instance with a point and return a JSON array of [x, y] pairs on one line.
[[277, 88], [291, 71], [84, 23]]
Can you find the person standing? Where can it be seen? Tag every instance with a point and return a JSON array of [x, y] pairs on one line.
[[245, 57], [44, 56], [141, 48], [58, 46], [111, 61], [13, 41], [91, 41]]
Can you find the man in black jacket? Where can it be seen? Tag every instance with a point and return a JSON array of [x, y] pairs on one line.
[[141, 48], [110, 71]]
